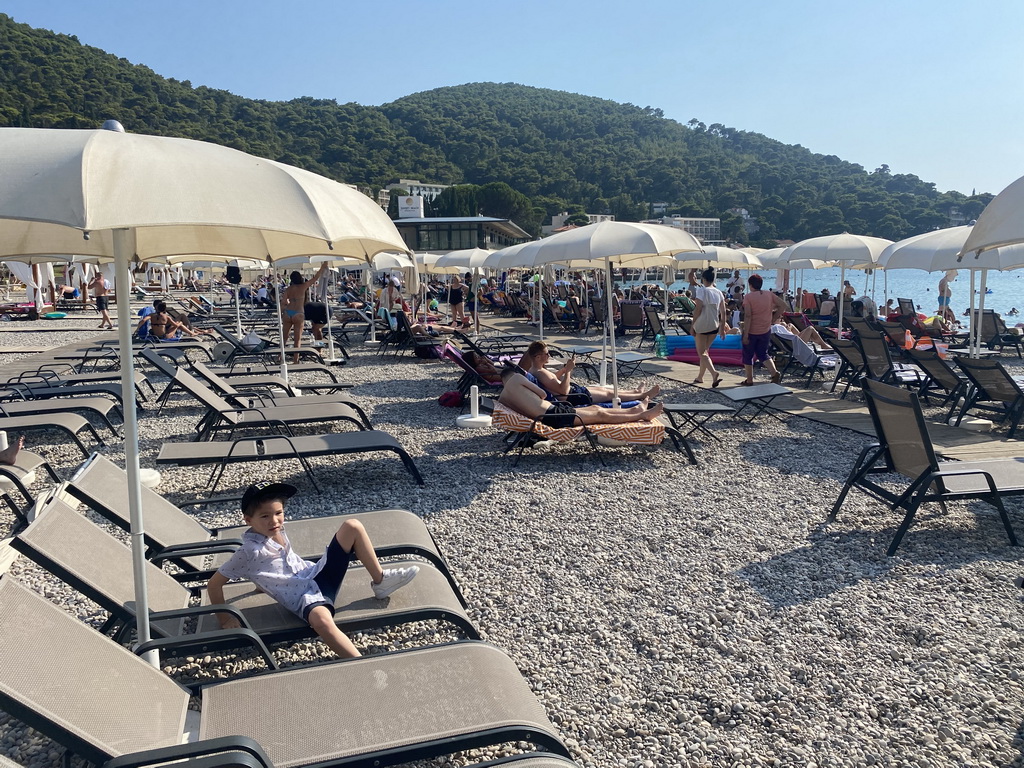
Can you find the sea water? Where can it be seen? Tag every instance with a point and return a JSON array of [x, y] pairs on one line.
[[1005, 289]]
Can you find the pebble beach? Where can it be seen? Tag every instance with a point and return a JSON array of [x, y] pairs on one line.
[[666, 615]]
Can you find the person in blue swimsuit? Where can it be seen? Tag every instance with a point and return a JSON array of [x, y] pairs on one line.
[[293, 299], [945, 296]]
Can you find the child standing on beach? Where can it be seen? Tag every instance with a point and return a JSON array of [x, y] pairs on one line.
[[307, 589]]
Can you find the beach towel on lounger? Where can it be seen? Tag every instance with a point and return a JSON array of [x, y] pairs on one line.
[[634, 433]]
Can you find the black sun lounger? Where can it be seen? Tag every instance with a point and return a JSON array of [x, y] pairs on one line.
[[71, 423], [80, 553], [221, 415], [103, 487], [226, 387], [99, 407], [97, 699], [19, 475], [263, 350], [267, 381], [301, 448], [237, 753]]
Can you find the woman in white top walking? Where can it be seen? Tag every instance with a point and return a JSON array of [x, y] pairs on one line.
[[708, 321]]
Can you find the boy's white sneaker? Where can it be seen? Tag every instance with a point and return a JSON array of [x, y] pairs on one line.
[[394, 578]]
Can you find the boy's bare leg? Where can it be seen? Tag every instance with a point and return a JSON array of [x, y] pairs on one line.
[[322, 622], [352, 537], [9, 455]]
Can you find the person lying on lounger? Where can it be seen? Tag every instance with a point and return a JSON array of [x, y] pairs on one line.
[[527, 398], [488, 370], [559, 384], [809, 334]]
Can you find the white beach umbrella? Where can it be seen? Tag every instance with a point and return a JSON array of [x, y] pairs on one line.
[[469, 258], [605, 243], [846, 249], [123, 196], [719, 257], [1002, 221], [943, 249]]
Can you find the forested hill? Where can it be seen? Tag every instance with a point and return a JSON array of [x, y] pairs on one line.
[[562, 151]]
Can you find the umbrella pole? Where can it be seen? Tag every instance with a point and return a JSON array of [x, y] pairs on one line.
[[842, 297], [122, 257], [981, 307], [476, 302], [280, 329], [611, 333], [238, 310], [539, 285], [973, 320], [327, 308], [604, 335]]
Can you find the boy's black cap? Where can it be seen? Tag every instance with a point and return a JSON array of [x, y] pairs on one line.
[[266, 489]]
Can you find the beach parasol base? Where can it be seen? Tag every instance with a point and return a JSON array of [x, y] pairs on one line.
[[469, 421]]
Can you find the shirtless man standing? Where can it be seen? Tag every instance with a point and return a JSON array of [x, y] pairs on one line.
[[528, 399], [99, 287]]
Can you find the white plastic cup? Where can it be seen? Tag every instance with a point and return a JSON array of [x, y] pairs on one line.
[[3, 441]]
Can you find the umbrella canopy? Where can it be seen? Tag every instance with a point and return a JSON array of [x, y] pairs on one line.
[[719, 257], [843, 248], [470, 258], [174, 196], [127, 196], [943, 249], [607, 240], [1001, 223], [427, 262], [859, 251], [603, 244], [506, 258]]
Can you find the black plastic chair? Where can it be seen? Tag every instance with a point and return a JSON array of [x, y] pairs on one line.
[[904, 447]]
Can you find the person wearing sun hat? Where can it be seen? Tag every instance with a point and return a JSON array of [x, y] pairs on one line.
[[266, 558]]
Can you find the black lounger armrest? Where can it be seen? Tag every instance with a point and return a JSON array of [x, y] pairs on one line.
[[199, 549], [199, 610], [206, 638], [231, 751]]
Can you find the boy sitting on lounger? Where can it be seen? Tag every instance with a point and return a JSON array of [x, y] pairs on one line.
[[527, 398], [307, 589]]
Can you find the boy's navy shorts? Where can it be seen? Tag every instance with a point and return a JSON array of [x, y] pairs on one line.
[[331, 575]]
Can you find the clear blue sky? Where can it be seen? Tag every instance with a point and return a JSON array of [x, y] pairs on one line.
[[930, 87]]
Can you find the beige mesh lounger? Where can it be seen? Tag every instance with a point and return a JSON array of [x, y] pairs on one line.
[[86, 557], [69, 423], [174, 535], [244, 753], [220, 414], [93, 696]]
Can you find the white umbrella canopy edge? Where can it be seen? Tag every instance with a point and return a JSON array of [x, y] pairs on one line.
[[844, 248], [1001, 223], [601, 244], [129, 197]]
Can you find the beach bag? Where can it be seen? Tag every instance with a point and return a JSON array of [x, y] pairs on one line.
[[451, 399], [251, 341], [425, 352]]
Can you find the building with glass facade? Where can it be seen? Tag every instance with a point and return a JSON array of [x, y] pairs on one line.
[[441, 235]]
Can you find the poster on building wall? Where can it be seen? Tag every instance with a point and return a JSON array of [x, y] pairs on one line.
[[410, 207]]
